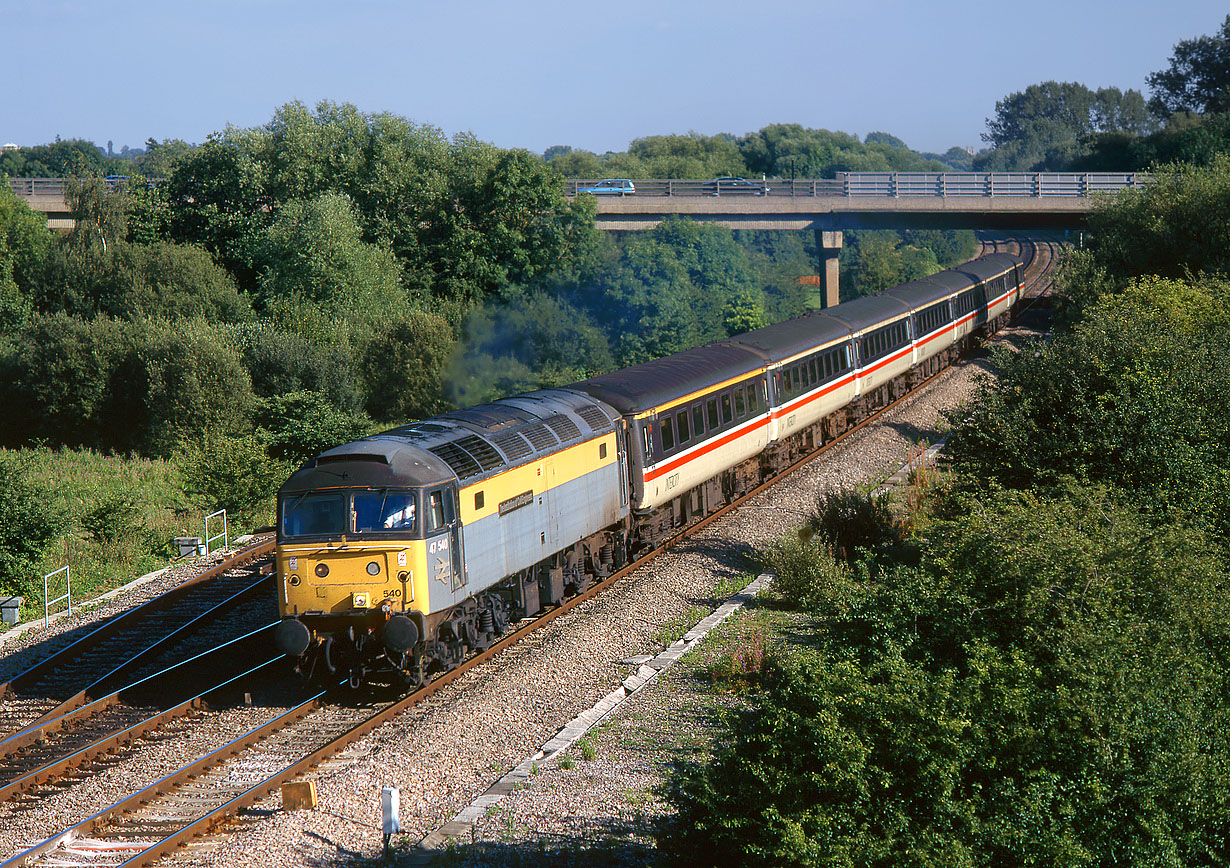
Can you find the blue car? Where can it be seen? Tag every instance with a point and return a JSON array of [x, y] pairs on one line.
[[611, 187]]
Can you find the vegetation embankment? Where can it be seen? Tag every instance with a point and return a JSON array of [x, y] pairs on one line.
[[1033, 669]]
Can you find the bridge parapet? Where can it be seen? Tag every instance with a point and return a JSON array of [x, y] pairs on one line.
[[891, 185]]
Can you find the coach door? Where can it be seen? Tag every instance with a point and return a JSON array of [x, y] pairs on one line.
[[445, 563]]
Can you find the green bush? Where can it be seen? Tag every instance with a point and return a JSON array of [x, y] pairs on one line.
[[28, 525], [849, 521], [807, 575], [235, 473], [300, 425], [120, 386], [1048, 687]]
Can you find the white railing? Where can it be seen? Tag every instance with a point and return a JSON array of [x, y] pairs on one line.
[[210, 540], [66, 597]]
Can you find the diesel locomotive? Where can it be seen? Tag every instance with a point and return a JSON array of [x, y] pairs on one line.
[[407, 549]]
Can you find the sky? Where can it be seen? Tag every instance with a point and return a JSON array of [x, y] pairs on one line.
[[537, 73]]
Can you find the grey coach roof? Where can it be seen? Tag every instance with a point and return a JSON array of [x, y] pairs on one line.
[[647, 385]]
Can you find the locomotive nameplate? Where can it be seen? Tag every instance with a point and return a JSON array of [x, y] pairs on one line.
[[525, 498]]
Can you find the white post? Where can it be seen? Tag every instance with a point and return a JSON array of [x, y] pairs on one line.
[[390, 805]]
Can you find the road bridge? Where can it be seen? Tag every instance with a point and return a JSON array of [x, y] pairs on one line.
[[867, 200], [1015, 201]]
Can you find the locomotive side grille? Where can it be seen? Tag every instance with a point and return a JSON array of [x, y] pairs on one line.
[[513, 445], [461, 462], [540, 436], [594, 418], [482, 452], [563, 427]]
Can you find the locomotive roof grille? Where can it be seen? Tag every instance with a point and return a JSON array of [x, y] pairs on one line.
[[460, 461], [512, 444], [540, 436], [594, 417], [482, 452], [563, 427]]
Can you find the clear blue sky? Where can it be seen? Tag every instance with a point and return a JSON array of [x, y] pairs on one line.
[[536, 73]]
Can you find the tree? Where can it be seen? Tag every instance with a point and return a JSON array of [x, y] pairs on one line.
[[1040, 128], [1178, 225], [24, 240], [314, 253], [403, 367], [1198, 78], [231, 472], [60, 159], [298, 425]]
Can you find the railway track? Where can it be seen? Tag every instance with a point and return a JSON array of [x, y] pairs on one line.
[[155, 821], [107, 655]]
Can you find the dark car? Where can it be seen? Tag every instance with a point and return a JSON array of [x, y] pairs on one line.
[[731, 186], [611, 187]]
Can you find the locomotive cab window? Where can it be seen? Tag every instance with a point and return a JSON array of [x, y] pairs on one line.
[[385, 510], [313, 514]]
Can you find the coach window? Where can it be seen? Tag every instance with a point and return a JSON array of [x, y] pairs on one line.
[[698, 420], [726, 416], [711, 408], [740, 407], [668, 434], [795, 380], [751, 397], [682, 421]]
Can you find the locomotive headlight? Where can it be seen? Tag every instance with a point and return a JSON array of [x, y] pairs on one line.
[[294, 581], [373, 569], [322, 570]]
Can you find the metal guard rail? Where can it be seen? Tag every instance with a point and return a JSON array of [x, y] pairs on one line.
[[847, 184], [895, 185]]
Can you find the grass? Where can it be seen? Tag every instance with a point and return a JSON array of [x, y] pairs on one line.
[[676, 627], [119, 517]]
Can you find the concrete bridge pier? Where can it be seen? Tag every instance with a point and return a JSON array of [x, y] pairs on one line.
[[829, 245]]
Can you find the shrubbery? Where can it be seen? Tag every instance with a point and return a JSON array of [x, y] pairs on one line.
[[27, 526], [1047, 687]]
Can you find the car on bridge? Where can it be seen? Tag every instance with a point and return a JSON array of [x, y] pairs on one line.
[[728, 185], [611, 187]]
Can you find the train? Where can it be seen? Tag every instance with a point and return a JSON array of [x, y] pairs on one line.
[[404, 551]]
